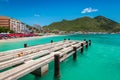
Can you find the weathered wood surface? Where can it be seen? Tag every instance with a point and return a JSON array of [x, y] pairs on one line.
[[64, 49], [29, 50], [23, 59]]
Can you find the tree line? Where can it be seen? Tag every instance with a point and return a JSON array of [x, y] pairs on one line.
[[5, 30]]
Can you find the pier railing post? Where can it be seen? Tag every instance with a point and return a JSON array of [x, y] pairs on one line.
[[56, 65], [51, 41], [51, 46], [82, 47], [25, 45], [86, 44], [75, 54], [89, 42], [64, 45], [64, 40]]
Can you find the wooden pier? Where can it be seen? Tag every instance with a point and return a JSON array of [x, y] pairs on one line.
[[36, 59]]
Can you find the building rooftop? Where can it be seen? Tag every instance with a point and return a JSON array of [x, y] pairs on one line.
[[4, 17]]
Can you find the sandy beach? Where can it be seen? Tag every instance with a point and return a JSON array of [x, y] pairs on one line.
[[25, 38]]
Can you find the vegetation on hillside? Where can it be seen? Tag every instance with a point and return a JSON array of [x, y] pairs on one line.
[[86, 24]]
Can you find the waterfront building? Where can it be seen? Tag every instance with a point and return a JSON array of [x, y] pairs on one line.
[[27, 30], [5, 22], [23, 27], [13, 24]]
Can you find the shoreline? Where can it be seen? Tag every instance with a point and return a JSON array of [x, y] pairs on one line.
[[26, 38], [32, 38]]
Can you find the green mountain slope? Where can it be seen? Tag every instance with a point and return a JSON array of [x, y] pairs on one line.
[[97, 24]]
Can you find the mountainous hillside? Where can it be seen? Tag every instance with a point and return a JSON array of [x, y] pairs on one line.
[[87, 24]]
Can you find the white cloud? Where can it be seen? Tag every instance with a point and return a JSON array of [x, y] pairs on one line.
[[89, 10], [36, 15]]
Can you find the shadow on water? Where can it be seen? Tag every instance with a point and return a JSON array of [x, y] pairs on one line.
[[56, 78], [39, 78]]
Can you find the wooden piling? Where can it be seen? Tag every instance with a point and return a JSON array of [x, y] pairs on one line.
[[82, 44], [25, 45], [86, 44], [89, 42], [51, 46], [51, 41], [64, 39], [82, 49], [75, 54], [56, 65]]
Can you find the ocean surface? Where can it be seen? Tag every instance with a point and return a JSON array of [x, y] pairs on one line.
[[101, 61]]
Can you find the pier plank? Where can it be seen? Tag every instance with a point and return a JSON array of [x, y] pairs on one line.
[[64, 49]]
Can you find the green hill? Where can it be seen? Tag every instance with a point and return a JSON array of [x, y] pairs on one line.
[[87, 24]]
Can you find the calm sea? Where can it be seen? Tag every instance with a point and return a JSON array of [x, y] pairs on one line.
[[101, 61]]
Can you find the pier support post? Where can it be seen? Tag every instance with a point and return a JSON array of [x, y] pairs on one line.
[[84, 39], [75, 54], [89, 42], [41, 71], [86, 44], [51, 41], [56, 65], [51, 46], [25, 45], [69, 39], [82, 49], [64, 40]]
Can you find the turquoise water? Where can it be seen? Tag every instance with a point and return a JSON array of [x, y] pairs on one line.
[[101, 61]]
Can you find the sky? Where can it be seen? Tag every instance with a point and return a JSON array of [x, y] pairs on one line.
[[45, 12]]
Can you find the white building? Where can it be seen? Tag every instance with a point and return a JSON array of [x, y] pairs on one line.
[[17, 26], [22, 28], [13, 24]]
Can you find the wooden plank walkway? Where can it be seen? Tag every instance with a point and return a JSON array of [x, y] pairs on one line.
[[29, 63], [26, 51], [23, 59]]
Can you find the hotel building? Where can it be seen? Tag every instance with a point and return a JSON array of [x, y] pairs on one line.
[[5, 22], [12, 24]]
